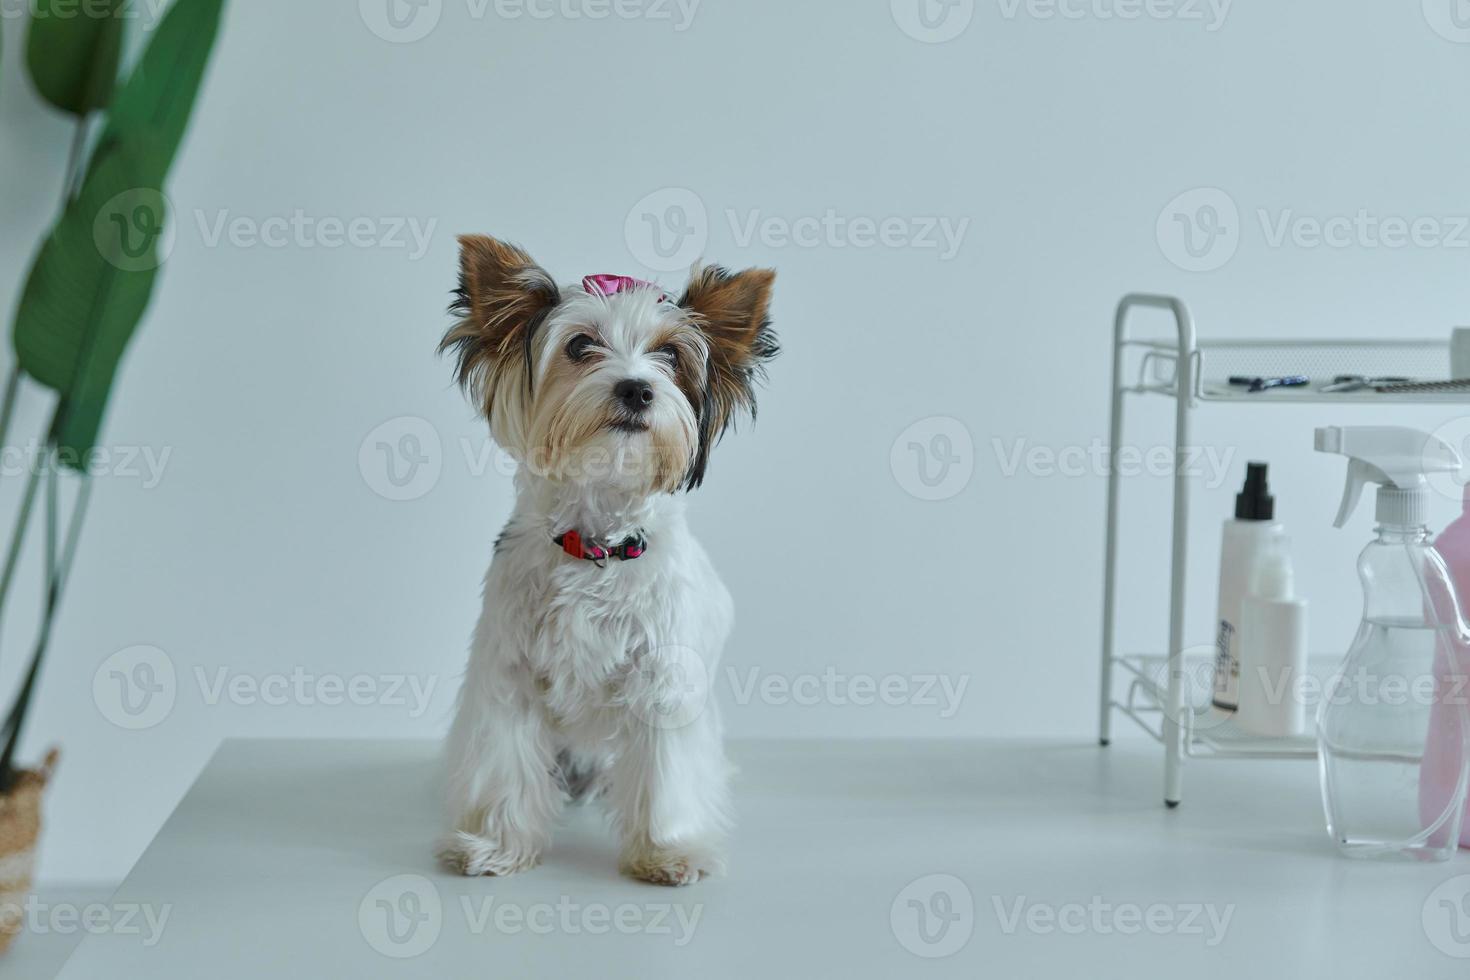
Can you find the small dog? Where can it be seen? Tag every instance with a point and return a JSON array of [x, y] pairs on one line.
[[603, 618]]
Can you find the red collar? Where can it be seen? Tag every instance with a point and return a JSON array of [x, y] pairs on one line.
[[576, 546]]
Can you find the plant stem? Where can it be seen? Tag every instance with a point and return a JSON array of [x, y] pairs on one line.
[[17, 537], [12, 388], [50, 519], [59, 571], [73, 182]]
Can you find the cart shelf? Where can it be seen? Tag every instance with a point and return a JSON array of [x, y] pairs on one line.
[[1203, 732], [1215, 362]]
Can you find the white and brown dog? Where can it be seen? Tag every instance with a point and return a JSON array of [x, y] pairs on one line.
[[603, 618]]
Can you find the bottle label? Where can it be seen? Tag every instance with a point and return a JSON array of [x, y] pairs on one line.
[[1227, 668]]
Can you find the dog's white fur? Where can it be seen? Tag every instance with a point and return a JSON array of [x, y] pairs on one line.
[[581, 668]]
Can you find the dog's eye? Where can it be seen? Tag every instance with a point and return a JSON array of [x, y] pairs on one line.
[[579, 346], [670, 352]]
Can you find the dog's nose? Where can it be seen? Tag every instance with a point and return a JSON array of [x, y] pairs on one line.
[[635, 395]]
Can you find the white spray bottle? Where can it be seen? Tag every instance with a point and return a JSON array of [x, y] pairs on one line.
[[1394, 694]]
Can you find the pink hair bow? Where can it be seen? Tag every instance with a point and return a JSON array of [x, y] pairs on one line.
[[609, 285]]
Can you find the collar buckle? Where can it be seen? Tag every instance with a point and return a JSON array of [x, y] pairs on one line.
[[575, 546]]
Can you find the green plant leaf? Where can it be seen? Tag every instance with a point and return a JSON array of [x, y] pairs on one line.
[[88, 289], [158, 96], [72, 52]]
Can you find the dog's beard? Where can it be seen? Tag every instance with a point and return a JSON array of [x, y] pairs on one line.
[[579, 434]]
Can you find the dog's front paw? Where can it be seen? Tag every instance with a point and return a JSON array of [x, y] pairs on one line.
[[673, 866], [473, 855]]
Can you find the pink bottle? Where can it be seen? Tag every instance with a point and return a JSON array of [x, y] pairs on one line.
[[1440, 769]]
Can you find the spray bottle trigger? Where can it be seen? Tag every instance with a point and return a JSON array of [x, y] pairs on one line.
[[1359, 473], [1394, 458]]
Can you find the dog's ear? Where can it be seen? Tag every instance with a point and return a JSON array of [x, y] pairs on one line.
[[732, 311], [503, 297]]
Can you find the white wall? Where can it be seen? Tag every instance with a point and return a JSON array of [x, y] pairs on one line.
[[1059, 140]]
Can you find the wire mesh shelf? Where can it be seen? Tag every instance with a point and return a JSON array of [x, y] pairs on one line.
[[1215, 362]]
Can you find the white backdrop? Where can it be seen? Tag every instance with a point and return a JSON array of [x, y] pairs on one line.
[[953, 221]]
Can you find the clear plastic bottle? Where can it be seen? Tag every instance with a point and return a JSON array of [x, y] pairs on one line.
[[1393, 716], [1374, 722]]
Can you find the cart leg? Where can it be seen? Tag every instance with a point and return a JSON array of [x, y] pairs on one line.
[[1110, 548], [1173, 777], [1174, 706]]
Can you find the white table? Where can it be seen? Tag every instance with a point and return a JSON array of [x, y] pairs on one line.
[[288, 858]]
